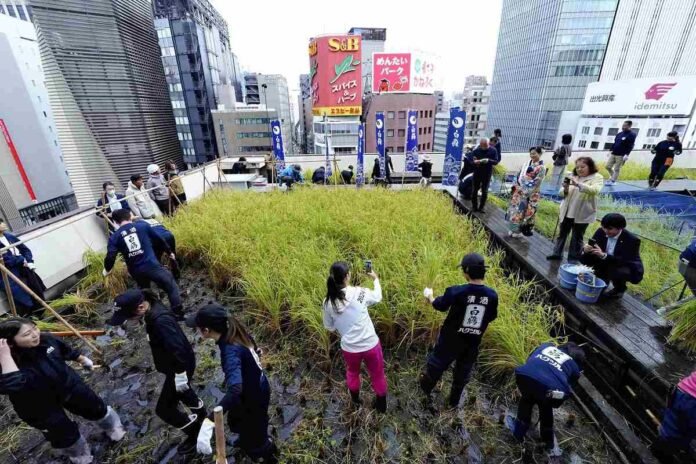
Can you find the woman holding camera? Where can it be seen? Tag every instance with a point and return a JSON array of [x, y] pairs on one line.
[[345, 311], [578, 208], [526, 196]]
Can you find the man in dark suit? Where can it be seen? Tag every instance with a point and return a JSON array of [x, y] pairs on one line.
[[614, 254]]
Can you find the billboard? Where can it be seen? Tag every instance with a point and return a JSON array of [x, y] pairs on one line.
[[651, 96], [335, 73], [415, 72]]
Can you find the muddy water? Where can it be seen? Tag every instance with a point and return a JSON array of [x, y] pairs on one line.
[[310, 415]]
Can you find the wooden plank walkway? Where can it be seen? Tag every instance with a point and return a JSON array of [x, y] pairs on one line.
[[627, 328]]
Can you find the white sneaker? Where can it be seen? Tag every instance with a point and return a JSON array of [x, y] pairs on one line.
[[662, 311], [610, 182]]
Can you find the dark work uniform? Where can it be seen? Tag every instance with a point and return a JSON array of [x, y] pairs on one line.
[[547, 369], [15, 260], [135, 243], [319, 176], [470, 308], [482, 174], [664, 157], [172, 354], [347, 176], [45, 386], [247, 398], [168, 237], [426, 168]]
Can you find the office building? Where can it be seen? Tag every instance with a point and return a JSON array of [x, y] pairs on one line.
[[395, 107], [271, 90], [35, 183], [16, 9], [548, 51], [306, 118], [244, 130], [440, 95], [655, 105], [440, 132], [340, 132], [110, 100], [475, 101], [651, 38], [373, 40], [199, 68], [238, 80]]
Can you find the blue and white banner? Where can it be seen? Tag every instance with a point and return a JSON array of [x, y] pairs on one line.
[[379, 124], [455, 147], [360, 175], [412, 141], [327, 161], [278, 151]]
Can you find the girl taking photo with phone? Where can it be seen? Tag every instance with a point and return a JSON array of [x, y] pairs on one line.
[[346, 311]]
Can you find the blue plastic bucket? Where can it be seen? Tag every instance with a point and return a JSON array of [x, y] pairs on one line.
[[588, 293], [564, 274], [568, 285]]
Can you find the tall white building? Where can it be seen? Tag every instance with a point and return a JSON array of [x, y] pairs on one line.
[[340, 132], [440, 134], [272, 91], [15, 9], [651, 38], [34, 182], [477, 93]]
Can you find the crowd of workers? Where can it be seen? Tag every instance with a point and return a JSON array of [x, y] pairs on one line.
[[41, 386]]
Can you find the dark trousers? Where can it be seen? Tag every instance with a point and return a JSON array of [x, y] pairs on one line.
[[57, 427], [534, 394], [614, 272], [164, 206], [658, 169], [287, 180], [575, 248], [251, 423], [167, 407], [481, 182], [440, 359], [164, 280]]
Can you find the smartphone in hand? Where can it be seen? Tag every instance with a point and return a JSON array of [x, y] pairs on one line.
[[592, 242], [368, 266]]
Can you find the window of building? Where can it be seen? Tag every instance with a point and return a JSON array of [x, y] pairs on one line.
[[648, 146], [391, 115], [679, 128], [399, 149], [598, 130], [594, 145], [390, 132], [613, 131], [654, 132], [22, 15], [11, 10], [608, 145], [402, 133], [402, 115], [582, 143], [420, 131], [586, 130], [390, 149], [430, 113]]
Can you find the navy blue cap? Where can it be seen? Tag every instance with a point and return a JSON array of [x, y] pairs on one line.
[[473, 260], [210, 315], [125, 305]]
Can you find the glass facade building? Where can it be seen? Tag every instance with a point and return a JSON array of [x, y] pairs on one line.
[[200, 70], [548, 51]]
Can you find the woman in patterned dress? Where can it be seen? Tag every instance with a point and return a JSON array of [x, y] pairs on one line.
[[526, 196]]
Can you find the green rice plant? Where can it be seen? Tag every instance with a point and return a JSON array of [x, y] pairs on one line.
[[639, 171], [106, 288], [50, 326], [684, 330], [277, 248], [84, 308], [11, 438]]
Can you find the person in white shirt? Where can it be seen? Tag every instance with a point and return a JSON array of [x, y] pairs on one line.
[[345, 311]]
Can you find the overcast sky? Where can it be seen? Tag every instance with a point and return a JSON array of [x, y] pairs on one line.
[[271, 37]]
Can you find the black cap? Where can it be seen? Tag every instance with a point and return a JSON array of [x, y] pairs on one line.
[[210, 315], [125, 305], [473, 260]]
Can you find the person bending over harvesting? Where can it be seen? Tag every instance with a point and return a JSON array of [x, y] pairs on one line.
[[248, 392], [345, 311], [172, 355], [470, 308], [41, 387]]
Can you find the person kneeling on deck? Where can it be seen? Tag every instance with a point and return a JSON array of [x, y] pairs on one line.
[[614, 254], [545, 380], [470, 308], [41, 386], [134, 240], [172, 355], [678, 427], [346, 311], [248, 392]]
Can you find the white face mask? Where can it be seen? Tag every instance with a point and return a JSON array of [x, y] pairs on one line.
[[111, 193]]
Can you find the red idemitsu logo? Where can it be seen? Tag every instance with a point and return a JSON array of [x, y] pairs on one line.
[[657, 91]]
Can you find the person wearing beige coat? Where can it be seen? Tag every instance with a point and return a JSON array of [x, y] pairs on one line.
[[578, 208]]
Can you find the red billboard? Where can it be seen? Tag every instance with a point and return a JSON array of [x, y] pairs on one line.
[[391, 72], [335, 72]]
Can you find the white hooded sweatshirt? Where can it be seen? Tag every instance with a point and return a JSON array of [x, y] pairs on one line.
[[141, 204]]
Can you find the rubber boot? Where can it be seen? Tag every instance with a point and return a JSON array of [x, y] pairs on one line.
[[517, 427], [553, 451], [270, 455], [355, 399], [381, 404], [426, 382], [188, 446], [79, 452], [111, 424], [455, 396]]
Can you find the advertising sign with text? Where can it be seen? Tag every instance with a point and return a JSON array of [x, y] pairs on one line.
[[335, 73], [391, 72]]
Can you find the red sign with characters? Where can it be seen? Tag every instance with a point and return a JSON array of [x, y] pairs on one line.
[[391, 72], [335, 73]]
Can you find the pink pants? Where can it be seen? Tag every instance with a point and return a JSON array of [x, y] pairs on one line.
[[374, 360]]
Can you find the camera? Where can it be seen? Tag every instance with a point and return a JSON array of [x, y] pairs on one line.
[[368, 266], [566, 180]]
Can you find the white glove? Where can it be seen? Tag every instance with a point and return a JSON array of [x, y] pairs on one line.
[[625, 158], [31, 266], [105, 272], [428, 292], [87, 363], [181, 382], [204, 437]]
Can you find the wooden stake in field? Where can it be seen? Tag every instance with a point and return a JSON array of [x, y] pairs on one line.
[[220, 448], [8, 292], [31, 293]]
